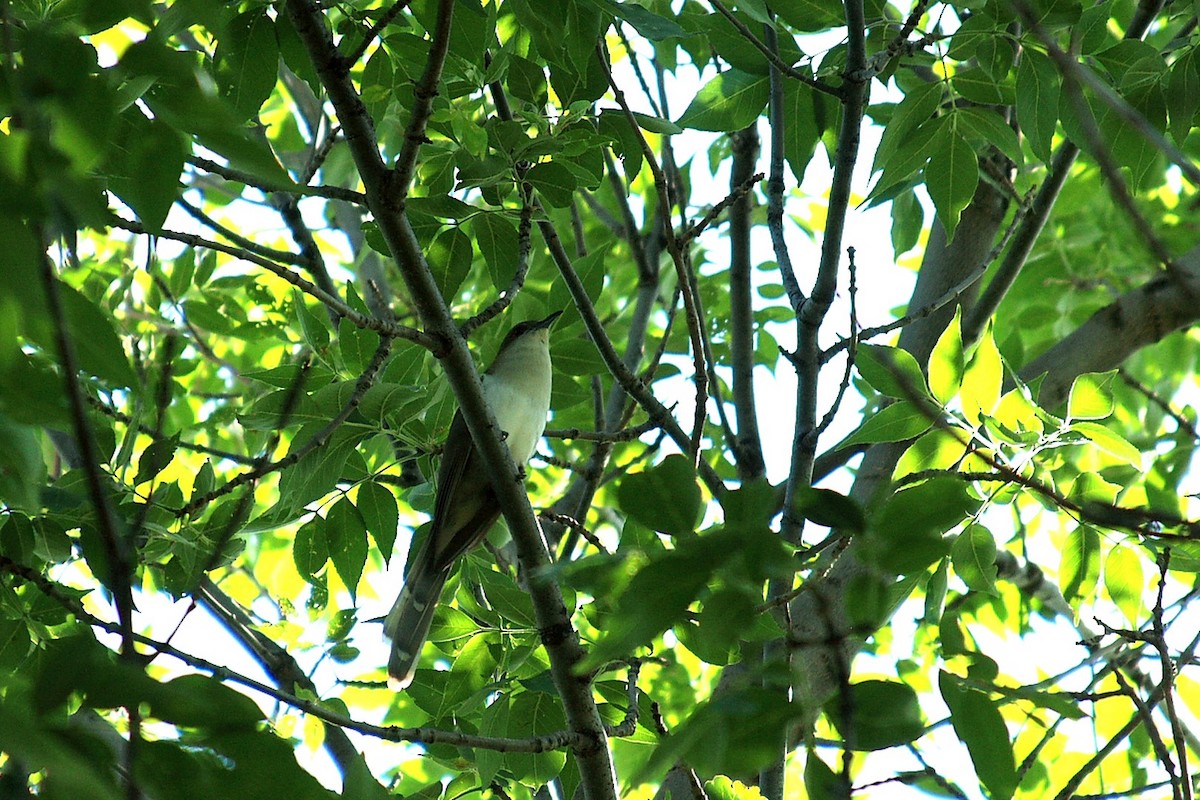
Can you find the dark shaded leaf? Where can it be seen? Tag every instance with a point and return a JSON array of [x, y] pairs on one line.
[[665, 497], [347, 536], [979, 725], [876, 714]]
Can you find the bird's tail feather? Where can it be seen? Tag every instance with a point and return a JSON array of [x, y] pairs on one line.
[[407, 624]]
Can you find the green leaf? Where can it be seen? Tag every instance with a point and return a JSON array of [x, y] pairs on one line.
[[1080, 565], [578, 84], [728, 102], [247, 61], [829, 508], [721, 626], [496, 237], [821, 782], [18, 539], [974, 30], [1091, 396], [1125, 582], [1183, 93], [654, 27], [751, 505], [951, 177], [898, 422], [735, 733], [802, 132], [810, 15], [96, 343], [947, 362], [449, 258], [199, 701], [935, 594], [913, 112], [1038, 85], [96, 16], [22, 468], [911, 156], [908, 219], [724, 788], [983, 379], [870, 600], [986, 126], [664, 498], [1109, 442], [526, 80], [357, 345], [591, 271], [979, 725], [658, 596], [347, 534], [79, 766], [936, 450], [727, 41], [155, 458], [294, 53], [378, 84], [980, 86], [144, 166], [906, 533], [380, 514], [657, 125], [577, 357], [555, 183], [310, 550], [881, 714], [179, 95], [520, 716], [891, 371], [974, 557], [450, 625], [14, 644], [314, 325]]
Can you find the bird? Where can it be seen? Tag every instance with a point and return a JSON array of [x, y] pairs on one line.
[[517, 389]]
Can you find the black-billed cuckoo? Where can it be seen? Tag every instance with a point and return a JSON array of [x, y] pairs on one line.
[[517, 389]]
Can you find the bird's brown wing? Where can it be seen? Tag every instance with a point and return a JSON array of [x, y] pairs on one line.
[[466, 506]]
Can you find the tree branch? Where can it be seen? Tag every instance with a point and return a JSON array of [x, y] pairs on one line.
[[747, 444], [385, 195]]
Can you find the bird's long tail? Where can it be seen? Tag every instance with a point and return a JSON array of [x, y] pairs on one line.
[[407, 624]]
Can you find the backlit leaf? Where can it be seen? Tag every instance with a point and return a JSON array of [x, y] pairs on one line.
[[1091, 396], [898, 422], [974, 557], [729, 102], [979, 725], [951, 177]]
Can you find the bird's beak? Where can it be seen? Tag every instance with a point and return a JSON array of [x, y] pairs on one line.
[[547, 322]]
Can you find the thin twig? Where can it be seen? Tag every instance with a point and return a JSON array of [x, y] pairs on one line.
[[383, 328], [686, 275], [375, 30], [626, 435], [773, 56], [424, 91], [950, 296], [524, 246], [282, 256], [238, 176]]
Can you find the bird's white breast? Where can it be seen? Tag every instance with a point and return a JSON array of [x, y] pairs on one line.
[[520, 398]]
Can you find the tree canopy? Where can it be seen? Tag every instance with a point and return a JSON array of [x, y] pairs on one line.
[[791, 532]]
